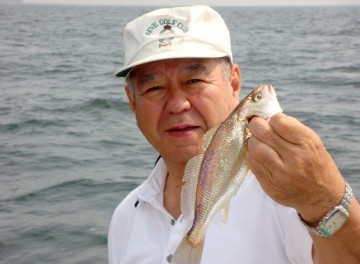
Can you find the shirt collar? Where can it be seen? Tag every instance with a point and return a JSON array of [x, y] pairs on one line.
[[153, 187]]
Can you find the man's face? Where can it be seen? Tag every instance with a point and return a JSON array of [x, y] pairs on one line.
[[177, 101]]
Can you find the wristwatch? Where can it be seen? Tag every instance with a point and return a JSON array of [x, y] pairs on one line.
[[335, 218]]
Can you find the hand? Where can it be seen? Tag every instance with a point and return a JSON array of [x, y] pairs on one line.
[[293, 167]]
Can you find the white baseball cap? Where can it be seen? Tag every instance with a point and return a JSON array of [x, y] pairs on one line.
[[179, 32]]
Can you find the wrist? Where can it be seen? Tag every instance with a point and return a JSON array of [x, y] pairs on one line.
[[333, 219], [322, 201]]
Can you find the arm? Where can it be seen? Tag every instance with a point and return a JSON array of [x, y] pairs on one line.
[[294, 168]]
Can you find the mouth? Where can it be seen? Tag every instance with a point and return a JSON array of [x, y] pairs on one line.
[[182, 130]]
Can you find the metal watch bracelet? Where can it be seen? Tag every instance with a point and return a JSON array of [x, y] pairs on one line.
[[343, 206]]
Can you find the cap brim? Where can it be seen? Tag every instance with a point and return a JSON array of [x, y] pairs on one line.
[[171, 54]]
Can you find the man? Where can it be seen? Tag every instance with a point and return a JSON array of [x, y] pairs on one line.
[[181, 81]]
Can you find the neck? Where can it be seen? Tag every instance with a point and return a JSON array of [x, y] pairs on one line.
[[172, 189]]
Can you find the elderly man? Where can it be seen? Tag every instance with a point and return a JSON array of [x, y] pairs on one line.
[[295, 206]]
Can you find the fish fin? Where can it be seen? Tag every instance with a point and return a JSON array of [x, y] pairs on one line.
[[208, 136], [187, 253], [190, 180], [225, 212]]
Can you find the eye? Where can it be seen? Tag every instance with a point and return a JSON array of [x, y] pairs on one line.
[[193, 81], [151, 91], [257, 97]]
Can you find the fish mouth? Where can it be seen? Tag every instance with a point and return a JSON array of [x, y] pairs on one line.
[[250, 118], [263, 117]]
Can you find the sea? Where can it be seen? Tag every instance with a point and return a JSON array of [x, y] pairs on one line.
[[70, 150]]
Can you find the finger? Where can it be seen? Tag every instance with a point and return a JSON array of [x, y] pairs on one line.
[[262, 154], [262, 131], [265, 165], [257, 168], [290, 129], [253, 161]]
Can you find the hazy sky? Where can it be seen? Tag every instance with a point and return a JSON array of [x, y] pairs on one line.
[[191, 2]]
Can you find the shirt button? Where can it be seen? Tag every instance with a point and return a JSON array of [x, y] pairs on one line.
[[168, 258], [172, 222]]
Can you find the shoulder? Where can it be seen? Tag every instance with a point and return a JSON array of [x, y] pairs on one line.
[[120, 226], [125, 211], [126, 207]]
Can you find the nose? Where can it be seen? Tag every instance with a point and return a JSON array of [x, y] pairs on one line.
[[177, 101]]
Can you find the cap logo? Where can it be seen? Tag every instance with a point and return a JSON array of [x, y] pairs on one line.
[[167, 27], [166, 33]]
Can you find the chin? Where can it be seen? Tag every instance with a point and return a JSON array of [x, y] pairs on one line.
[[183, 155]]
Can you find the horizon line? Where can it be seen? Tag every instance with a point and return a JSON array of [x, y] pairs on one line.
[[218, 5]]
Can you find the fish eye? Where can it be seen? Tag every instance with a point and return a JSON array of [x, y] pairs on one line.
[[257, 97]]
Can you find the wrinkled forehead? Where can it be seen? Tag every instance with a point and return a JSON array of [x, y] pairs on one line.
[[187, 65]]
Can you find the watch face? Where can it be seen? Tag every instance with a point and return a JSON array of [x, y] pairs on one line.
[[334, 222]]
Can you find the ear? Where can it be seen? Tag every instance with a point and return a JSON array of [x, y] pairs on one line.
[[235, 79], [131, 98]]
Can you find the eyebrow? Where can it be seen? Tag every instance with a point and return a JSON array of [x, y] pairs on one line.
[[195, 67], [191, 67], [145, 78]]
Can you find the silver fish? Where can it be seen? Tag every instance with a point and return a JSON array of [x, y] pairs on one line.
[[214, 176]]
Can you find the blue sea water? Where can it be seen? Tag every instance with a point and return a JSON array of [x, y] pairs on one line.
[[69, 147]]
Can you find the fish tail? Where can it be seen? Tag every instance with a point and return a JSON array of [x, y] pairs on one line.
[[186, 253]]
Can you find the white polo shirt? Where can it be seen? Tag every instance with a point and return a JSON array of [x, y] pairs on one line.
[[257, 231]]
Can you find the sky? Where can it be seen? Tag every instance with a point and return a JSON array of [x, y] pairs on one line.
[[192, 2]]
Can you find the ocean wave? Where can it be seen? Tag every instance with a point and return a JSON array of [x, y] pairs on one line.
[[343, 69], [99, 103], [43, 123], [93, 104], [55, 232], [61, 69], [66, 238], [73, 188], [67, 107]]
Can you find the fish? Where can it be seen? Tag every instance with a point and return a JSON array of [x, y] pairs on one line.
[[214, 176]]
